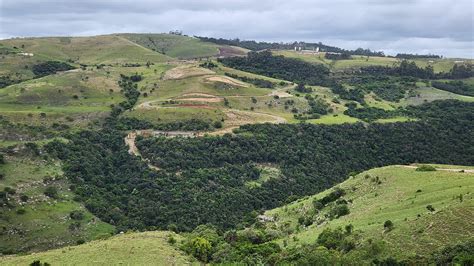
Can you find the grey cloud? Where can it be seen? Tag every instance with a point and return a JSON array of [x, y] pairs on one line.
[[417, 26]]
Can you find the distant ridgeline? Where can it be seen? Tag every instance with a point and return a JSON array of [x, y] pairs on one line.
[[256, 46], [204, 180]]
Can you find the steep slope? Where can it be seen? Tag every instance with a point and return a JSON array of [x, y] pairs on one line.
[[149, 248], [429, 210], [37, 208]]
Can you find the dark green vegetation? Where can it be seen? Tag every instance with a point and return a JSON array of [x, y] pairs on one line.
[[437, 110], [203, 179], [264, 63], [66, 176], [50, 67], [458, 87]]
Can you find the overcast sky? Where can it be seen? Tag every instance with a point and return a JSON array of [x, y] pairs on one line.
[[416, 26]]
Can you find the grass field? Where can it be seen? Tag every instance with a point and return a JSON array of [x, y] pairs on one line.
[[148, 248], [105, 49], [356, 61], [176, 46], [74, 98], [398, 194], [43, 222]]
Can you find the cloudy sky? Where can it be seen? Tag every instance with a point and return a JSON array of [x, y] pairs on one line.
[[416, 26]]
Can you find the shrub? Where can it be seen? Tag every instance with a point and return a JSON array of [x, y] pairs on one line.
[[21, 211], [430, 208], [217, 124], [51, 192], [24, 198], [331, 239], [388, 225], [38, 263], [339, 210], [171, 240], [200, 248], [76, 215], [425, 168]]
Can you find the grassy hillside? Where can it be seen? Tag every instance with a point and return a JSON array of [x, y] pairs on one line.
[[148, 248], [396, 193], [74, 98], [356, 61], [176, 46], [32, 221], [106, 49]]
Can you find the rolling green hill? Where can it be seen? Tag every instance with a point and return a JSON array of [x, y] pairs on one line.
[[30, 220], [105, 49], [148, 248], [389, 215], [70, 105], [400, 194]]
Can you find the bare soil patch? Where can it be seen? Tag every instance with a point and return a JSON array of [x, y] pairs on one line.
[[181, 72], [227, 80], [281, 94], [206, 100]]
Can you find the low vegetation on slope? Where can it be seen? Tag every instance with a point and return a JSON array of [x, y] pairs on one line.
[[149, 248], [105, 49], [176, 46], [394, 215], [37, 209]]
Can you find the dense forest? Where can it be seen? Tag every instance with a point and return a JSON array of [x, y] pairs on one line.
[[203, 180], [264, 63]]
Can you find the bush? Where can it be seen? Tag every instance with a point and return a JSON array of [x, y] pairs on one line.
[[76, 215], [430, 208], [331, 239], [51, 192], [200, 248], [339, 210], [217, 124], [24, 198], [388, 225], [21, 211]]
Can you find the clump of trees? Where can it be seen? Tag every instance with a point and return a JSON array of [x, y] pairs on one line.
[[456, 86], [264, 63], [50, 67]]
